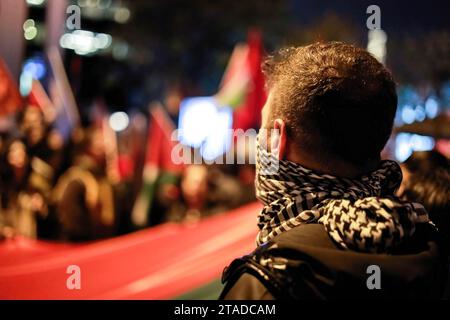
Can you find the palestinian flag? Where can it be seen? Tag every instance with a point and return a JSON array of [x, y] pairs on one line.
[[159, 167], [10, 98], [236, 79], [242, 86]]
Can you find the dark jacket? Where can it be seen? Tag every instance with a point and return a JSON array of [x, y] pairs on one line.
[[304, 263]]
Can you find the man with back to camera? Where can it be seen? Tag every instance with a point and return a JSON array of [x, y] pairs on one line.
[[331, 225]]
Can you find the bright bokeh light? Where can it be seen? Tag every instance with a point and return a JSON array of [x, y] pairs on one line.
[[29, 29], [420, 113], [377, 44], [194, 123], [205, 125], [408, 114], [25, 83], [28, 24], [35, 2], [122, 15], [431, 107], [118, 121], [407, 143], [85, 42], [33, 68], [36, 67], [219, 139]]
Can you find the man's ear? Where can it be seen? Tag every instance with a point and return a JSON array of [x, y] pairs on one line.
[[278, 139]]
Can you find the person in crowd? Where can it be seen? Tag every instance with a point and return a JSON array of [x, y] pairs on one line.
[[204, 190], [331, 225], [83, 196], [45, 148], [426, 179], [192, 195], [31, 124], [19, 202], [171, 102]]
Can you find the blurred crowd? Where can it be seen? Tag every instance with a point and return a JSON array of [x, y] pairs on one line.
[[70, 190], [426, 179]]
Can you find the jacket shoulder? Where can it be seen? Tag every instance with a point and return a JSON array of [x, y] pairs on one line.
[[304, 263], [271, 270], [247, 287]]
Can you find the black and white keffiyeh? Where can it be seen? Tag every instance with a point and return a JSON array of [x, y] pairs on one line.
[[361, 214]]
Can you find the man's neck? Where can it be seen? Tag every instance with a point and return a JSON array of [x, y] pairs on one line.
[[335, 167]]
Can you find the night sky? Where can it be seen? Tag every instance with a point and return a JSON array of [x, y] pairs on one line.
[[188, 43]]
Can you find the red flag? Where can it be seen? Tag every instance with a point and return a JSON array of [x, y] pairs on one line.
[[10, 98], [242, 86], [111, 151], [248, 115], [160, 143], [158, 162], [236, 79]]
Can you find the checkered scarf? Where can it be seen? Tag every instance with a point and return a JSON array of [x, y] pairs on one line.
[[361, 214]]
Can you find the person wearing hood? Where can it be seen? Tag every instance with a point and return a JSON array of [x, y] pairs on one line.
[[331, 226]]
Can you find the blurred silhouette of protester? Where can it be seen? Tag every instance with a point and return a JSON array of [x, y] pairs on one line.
[[171, 102], [204, 190], [83, 196], [124, 194], [45, 147], [56, 152], [208, 189], [426, 179], [130, 163], [228, 191], [18, 203], [15, 211], [189, 201], [246, 176], [167, 189]]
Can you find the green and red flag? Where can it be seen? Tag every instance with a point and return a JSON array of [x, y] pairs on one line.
[[159, 167], [236, 79], [242, 87]]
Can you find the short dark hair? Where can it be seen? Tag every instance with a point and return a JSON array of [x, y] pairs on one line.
[[337, 100]]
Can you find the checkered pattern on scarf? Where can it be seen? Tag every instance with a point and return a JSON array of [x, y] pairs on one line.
[[361, 214]]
